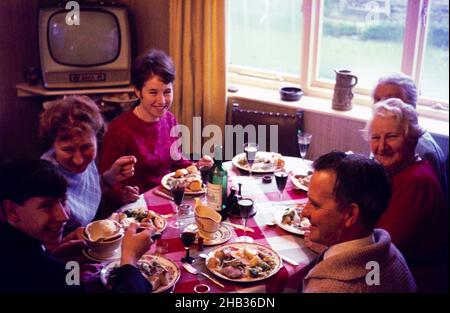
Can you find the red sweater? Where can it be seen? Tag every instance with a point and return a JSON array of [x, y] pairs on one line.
[[416, 217], [149, 142]]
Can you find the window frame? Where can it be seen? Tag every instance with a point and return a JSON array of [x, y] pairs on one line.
[[414, 45]]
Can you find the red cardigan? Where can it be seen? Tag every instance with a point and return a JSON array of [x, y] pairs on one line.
[[416, 217], [149, 142]]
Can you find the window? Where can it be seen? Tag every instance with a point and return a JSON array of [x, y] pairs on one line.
[[304, 41], [266, 35], [434, 79], [363, 36]]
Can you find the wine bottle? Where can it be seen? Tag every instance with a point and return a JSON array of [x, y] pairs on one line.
[[217, 184]]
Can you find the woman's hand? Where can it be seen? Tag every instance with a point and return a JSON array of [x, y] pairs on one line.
[[134, 244], [121, 169], [130, 194]]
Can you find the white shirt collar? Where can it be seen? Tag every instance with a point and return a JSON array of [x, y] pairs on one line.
[[348, 245]]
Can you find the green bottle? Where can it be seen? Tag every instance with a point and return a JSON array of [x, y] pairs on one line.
[[217, 184]]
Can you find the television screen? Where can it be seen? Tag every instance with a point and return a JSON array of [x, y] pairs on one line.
[[88, 44], [95, 53]]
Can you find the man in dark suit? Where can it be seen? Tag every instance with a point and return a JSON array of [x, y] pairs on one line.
[[32, 200]]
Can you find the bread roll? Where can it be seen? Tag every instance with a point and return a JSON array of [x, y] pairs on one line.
[[195, 185], [192, 169], [181, 173]]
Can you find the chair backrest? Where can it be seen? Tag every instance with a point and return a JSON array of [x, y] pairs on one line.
[[285, 133]]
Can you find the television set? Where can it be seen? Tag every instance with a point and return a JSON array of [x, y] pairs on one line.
[[95, 53]]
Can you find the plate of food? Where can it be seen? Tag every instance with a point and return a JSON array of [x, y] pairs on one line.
[[162, 273], [243, 262], [265, 162], [191, 174], [301, 181], [290, 219], [141, 216]]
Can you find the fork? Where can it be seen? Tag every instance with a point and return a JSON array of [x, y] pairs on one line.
[[194, 271]]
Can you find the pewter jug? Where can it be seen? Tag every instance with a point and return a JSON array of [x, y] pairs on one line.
[[342, 97]]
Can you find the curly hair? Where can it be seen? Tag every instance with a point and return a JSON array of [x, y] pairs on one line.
[[68, 115], [153, 62], [402, 112]]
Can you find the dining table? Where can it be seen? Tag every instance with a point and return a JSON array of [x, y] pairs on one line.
[[296, 257]]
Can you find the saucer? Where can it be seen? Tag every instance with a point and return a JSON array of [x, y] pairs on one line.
[[223, 234], [114, 257]]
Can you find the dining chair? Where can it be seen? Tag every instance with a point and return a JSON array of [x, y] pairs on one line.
[[286, 134]]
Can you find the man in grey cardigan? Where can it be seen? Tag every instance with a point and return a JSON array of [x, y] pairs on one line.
[[347, 195]]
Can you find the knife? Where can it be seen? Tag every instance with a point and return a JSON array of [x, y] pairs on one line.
[[289, 260], [239, 226], [162, 194]]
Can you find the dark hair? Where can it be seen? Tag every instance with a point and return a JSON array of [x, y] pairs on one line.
[[68, 114], [23, 179], [359, 180], [153, 62]]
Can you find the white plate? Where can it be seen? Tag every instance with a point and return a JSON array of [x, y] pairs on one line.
[[165, 184], [223, 234], [131, 219], [171, 267], [289, 228], [258, 167], [298, 183], [116, 256], [254, 246]]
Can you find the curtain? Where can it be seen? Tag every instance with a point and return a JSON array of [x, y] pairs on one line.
[[197, 46]]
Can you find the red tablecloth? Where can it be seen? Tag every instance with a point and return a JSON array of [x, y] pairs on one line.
[[289, 277]]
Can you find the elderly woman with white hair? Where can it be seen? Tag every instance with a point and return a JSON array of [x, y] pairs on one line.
[[416, 217]]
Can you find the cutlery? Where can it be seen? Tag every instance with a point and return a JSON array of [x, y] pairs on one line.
[[194, 271], [162, 194], [239, 226], [288, 260]]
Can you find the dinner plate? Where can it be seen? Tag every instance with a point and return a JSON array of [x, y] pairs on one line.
[[297, 181], [127, 221], [170, 266], [223, 234], [292, 228], [240, 246], [240, 162], [165, 184]]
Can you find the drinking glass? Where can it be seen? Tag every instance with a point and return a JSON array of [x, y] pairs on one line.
[[177, 187], [204, 172], [188, 239], [245, 208], [281, 177], [250, 149], [304, 139]]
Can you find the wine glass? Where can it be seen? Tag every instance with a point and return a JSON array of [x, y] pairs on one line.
[[304, 139], [250, 149], [177, 187], [188, 239], [245, 208], [281, 177]]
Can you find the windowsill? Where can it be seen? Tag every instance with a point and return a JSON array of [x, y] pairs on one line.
[[323, 106]]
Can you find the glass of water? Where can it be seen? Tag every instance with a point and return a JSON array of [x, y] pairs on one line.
[[304, 140]]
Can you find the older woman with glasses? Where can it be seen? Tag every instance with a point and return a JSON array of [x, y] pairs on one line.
[[416, 217], [145, 131]]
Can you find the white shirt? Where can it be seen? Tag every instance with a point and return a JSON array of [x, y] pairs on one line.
[[348, 245]]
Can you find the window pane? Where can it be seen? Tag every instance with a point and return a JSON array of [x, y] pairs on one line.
[[265, 34], [365, 37], [435, 67]]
